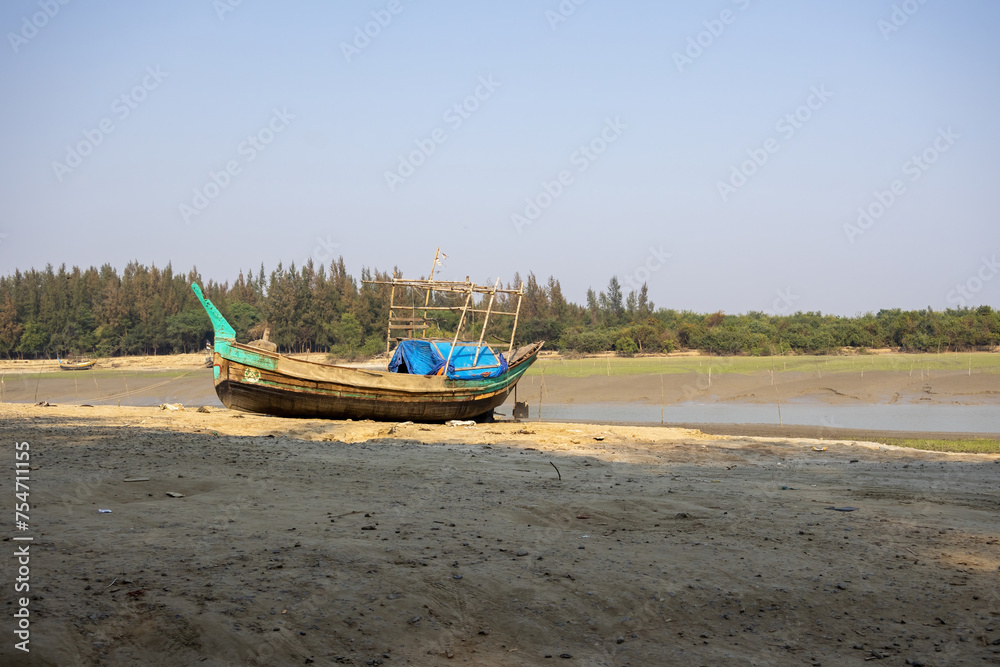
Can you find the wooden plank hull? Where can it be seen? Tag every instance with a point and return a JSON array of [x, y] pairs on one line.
[[265, 382], [78, 366]]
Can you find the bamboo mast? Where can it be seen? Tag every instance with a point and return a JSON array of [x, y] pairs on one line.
[[430, 287], [458, 331], [437, 253], [517, 315], [486, 321], [388, 333]]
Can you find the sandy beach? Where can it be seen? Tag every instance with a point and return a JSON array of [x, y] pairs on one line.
[[253, 540]]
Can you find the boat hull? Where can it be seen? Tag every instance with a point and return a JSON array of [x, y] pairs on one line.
[[255, 379], [286, 387], [81, 366]]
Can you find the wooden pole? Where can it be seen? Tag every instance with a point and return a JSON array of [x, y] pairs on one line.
[[458, 332], [661, 400], [437, 253], [517, 316], [541, 385], [126, 387], [430, 288], [780, 423], [486, 321], [388, 332]]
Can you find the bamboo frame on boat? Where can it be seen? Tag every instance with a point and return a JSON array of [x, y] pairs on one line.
[[467, 288]]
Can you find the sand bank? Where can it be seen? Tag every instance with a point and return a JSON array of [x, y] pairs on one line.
[[351, 542]]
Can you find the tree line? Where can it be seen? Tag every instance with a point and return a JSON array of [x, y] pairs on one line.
[[148, 310]]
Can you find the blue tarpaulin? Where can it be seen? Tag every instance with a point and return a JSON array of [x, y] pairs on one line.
[[425, 357]]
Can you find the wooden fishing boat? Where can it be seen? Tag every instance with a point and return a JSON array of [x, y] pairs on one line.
[[467, 380], [75, 365]]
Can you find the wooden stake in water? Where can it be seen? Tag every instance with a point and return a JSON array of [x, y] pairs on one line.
[[780, 423], [661, 400], [540, 385], [126, 388]]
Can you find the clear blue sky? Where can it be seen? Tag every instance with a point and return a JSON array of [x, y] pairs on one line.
[[655, 197]]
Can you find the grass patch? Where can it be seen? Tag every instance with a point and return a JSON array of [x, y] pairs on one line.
[[967, 446], [976, 362]]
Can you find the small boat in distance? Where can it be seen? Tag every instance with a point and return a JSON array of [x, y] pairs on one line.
[[75, 365], [428, 380]]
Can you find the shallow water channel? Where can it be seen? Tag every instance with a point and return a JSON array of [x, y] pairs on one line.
[[951, 418], [193, 388]]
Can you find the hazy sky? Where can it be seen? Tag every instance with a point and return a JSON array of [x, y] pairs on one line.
[[724, 152]]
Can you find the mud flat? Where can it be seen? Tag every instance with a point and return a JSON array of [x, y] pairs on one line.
[[318, 542], [951, 387]]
